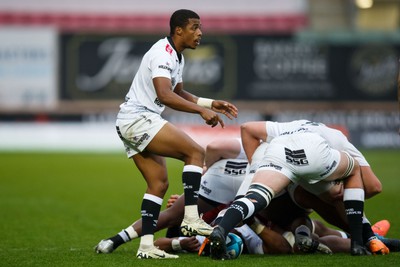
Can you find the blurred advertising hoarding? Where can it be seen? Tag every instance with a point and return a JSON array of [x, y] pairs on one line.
[[254, 68], [285, 69], [28, 67], [103, 66], [239, 67], [365, 129]]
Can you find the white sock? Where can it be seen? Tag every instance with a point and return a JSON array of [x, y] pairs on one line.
[[131, 232], [146, 242], [191, 212]]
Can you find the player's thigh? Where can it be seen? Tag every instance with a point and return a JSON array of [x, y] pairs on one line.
[[170, 141], [327, 190], [272, 179]]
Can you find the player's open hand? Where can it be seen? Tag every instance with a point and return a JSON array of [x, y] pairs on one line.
[[225, 108]]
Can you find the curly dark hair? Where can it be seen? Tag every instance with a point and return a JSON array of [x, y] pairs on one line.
[[180, 18]]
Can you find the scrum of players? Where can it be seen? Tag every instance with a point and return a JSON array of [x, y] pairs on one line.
[[281, 224]]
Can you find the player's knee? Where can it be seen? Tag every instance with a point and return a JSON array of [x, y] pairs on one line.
[[195, 155], [164, 187], [377, 188], [159, 188], [372, 190], [372, 184]]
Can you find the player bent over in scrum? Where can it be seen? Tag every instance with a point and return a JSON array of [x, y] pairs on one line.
[[332, 193], [289, 158]]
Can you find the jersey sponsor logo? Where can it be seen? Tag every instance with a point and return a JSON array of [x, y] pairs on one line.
[[271, 165], [313, 123], [139, 140], [235, 168], [205, 189], [296, 157], [302, 129], [169, 49], [165, 68], [328, 169]]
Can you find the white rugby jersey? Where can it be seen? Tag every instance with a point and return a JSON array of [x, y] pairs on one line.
[[336, 139], [161, 60]]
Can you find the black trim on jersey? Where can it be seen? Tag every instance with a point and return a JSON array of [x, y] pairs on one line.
[[173, 46]]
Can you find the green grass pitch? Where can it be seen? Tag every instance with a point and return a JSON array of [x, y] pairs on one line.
[[55, 207]]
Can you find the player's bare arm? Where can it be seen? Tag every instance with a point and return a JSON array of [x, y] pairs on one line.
[[173, 100], [221, 149], [252, 133], [169, 98], [220, 106], [190, 244]]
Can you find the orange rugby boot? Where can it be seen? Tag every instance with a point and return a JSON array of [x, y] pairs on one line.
[[377, 247], [381, 228]]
